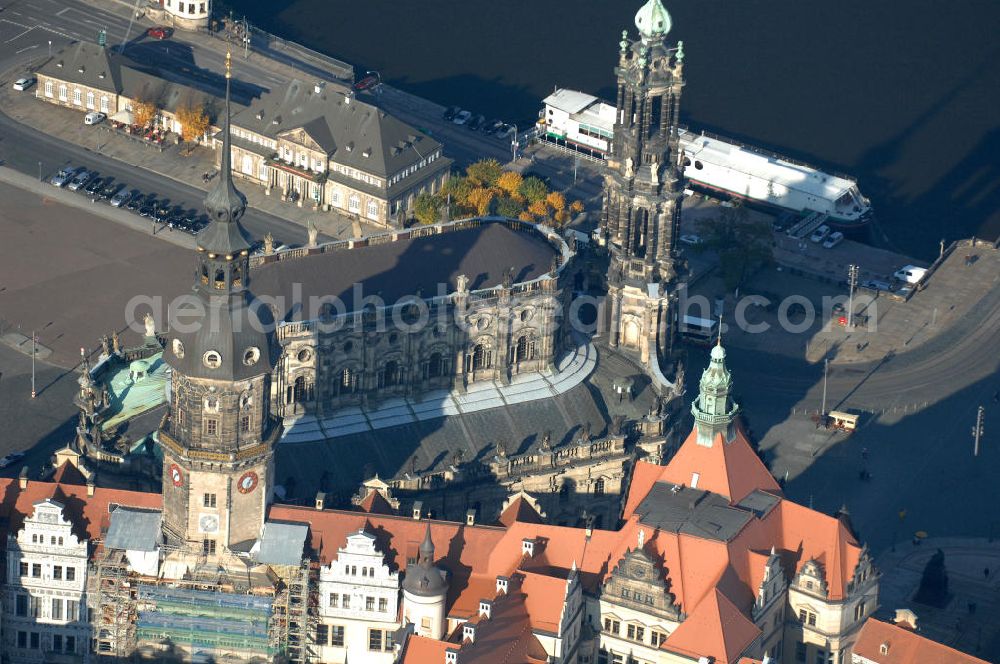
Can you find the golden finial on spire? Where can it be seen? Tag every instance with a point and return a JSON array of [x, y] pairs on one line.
[[229, 63]]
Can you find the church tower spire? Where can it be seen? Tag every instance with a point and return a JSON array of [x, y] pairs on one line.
[[643, 191], [714, 411]]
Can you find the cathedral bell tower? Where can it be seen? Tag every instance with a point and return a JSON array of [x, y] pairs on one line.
[[643, 189], [218, 440]]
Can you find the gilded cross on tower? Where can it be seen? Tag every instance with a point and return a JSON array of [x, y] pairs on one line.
[[229, 64]]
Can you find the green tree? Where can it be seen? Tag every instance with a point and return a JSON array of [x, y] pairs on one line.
[[534, 189], [508, 207], [484, 173], [427, 209], [742, 244], [458, 188]]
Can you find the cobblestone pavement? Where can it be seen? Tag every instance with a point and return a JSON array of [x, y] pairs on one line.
[[970, 621]]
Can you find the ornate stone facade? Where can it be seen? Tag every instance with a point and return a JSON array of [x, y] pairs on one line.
[[643, 190], [423, 341]]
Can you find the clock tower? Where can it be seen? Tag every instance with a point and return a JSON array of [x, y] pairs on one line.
[[218, 459]]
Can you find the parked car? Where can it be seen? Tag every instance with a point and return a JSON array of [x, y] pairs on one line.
[[462, 117], [450, 113], [11, 458], [134, 202], [81, 180], [910, 274], [820, 234], [833, 240], [94, 185], [94, 117], [476, 122], [366, 83], [492, 126], [691, 239], [876, 285], [159, 32], [111, 188], [23, 84], [65, 175], [148, 209], [504, 131], [121, 198]]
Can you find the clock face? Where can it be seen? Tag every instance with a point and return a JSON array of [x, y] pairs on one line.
[[208, 523], [176, 476], [248, 482]]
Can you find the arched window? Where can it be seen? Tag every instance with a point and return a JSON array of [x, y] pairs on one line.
[[390, 374], [220, 279], [525, 349], [247, 164], [435, 366], [348, 380], [482, 357], [90, 99], [354, 203]]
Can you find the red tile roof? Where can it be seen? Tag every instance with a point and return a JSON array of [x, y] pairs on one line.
[[715, 629], [904, 646], [519, 510], [88, 514], [422, 650], [543, 599], [375, 503], [729, 469]]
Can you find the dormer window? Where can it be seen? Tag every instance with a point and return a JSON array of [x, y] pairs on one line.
[[884, 648]]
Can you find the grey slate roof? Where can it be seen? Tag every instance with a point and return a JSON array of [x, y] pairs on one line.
[[134, 530], [399, 268], [339, 463], [100, 67], [345, 128], [691, 511], [282, 543]]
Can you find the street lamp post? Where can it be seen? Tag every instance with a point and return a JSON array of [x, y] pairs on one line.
[[39, 171], [513, 144], [50, 48], [33, 340], [977, 431], [852, 278], [826, 366]]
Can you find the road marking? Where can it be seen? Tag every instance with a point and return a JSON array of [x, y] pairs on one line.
[[27, 48], [19, 36], [63, 11], [20, 25]]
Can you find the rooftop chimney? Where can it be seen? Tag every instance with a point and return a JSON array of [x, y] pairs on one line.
[[503, 583], [485, 608], [470, 517], [418, 507], [22, 478], [528, 547], [320, 500], [450, 656], [469, 632], [90, 487]]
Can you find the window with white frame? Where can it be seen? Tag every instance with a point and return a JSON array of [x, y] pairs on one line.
[[48, 88], [105, 104], [262, 170], [247, 165], [372, 210], [354, 203], [62, 92], [335, 197], [77, 96]]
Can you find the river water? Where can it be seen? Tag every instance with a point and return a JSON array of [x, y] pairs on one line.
[[901, 94]]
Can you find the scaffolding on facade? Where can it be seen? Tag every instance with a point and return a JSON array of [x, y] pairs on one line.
[[215, 610], [116, 610], [293, 625]]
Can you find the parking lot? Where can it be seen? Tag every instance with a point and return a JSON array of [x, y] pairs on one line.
[[108, 190]]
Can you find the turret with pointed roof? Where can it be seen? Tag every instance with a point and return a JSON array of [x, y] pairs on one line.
[[714, 412]]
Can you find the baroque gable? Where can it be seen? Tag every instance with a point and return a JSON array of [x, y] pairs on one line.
[[639, 581], [300, 136]]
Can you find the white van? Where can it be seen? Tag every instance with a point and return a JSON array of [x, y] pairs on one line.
[[93, 118], [910, 274]]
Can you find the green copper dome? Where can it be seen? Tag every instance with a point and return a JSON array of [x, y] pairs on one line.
[[652, 20]]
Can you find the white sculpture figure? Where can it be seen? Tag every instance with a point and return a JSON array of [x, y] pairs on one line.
[[150, 325], [628, 167]]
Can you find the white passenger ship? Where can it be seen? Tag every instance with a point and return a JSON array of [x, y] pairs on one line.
[[584, 123]]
